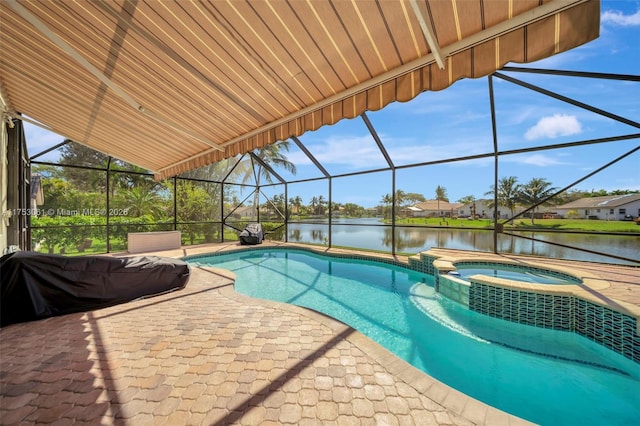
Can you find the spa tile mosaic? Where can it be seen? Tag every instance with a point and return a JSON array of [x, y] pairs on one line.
[[603, 325], [423, 263], [453, 290]]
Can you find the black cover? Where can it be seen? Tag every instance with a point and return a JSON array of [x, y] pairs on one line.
[[36, 285], [252, 234]]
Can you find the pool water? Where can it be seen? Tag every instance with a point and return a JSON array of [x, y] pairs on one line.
[[512, 273], [545, 376]]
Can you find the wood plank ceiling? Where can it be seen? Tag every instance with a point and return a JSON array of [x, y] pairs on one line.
[[175, 85]]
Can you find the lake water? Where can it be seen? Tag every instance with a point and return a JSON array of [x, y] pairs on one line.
[[367, 233]]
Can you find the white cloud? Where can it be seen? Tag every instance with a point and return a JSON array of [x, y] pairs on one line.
[[361, 152], [538, 160], [554, 126], [353, 151], [517, 114], [615, 17]]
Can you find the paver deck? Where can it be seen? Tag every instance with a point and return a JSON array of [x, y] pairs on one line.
[[206, 355]]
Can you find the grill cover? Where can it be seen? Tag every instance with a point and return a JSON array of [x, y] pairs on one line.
[[36, 285], [252, 234]]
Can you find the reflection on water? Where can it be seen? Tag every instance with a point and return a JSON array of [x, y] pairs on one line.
[[358, 233]]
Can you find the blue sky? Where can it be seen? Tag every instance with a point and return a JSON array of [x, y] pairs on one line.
[[456, 122]]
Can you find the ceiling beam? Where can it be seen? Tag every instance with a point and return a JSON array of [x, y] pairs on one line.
[[58, 41], [429, 33], [377, 139], [310, 156]]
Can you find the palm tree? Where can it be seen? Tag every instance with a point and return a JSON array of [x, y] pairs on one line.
[[534, 192], [140, 201], [297, 203], [401, 199], [313, 204], [386, 201], [467, 199], [441, 195], [507, 194], [271, 155], [321, 203]]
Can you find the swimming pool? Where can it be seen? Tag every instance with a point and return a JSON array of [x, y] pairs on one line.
[[545, 376]]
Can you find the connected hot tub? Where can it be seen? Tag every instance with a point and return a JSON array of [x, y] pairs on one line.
[[457, 278], [513, 272], [536, 293]]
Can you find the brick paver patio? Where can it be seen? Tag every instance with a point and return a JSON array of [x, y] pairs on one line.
[[206, 355]]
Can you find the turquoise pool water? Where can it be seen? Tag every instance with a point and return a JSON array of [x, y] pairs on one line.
[[512, 273], [545, 376]]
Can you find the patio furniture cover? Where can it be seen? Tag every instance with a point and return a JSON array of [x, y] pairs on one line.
[[252, 234], [36, 285]]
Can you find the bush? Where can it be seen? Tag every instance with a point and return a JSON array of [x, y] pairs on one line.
[[75, 231], [120, 226], [51, 237], [572, 214]]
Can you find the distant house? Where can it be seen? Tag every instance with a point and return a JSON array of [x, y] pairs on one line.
[[434, 208], [610, 207], [484, 208], [373, 211], [244, 213], [480, 208]]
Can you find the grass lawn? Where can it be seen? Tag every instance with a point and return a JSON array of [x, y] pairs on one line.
[[539, 224], [99, 246], [580, 225]]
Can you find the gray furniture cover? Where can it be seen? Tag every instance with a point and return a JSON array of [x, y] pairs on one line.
[[252, 234], [36, 285]]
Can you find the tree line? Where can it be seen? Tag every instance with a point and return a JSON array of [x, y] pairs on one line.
[[76, 190]]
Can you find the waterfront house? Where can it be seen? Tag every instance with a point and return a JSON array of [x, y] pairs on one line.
[[482, 208], [610, 207], [434, 208]]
